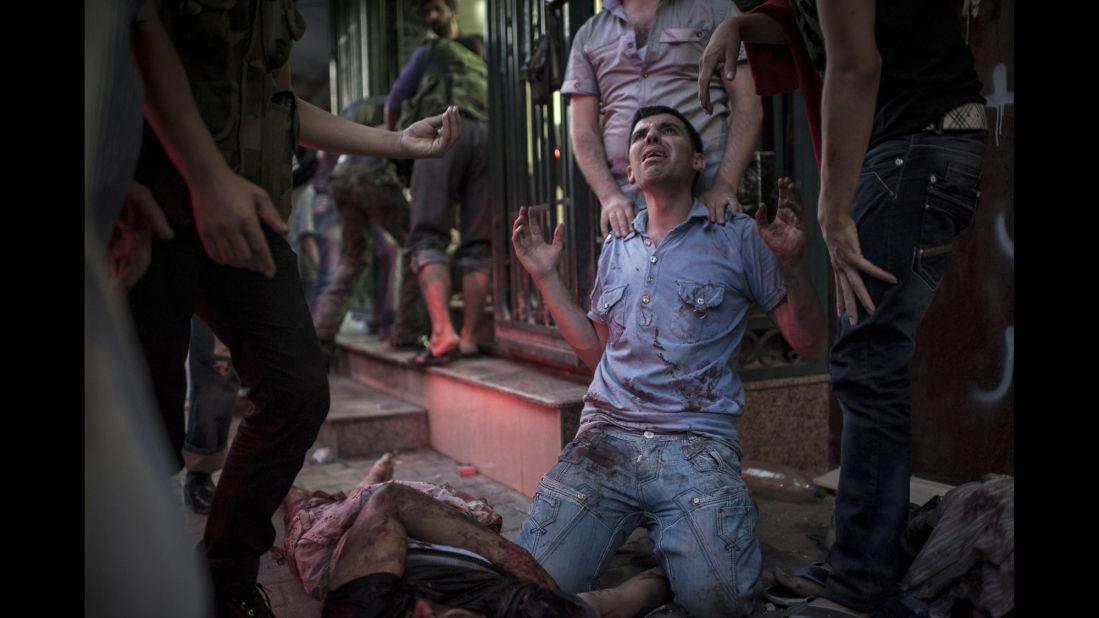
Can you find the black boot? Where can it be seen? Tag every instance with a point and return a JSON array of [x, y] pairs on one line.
[[198, 492]]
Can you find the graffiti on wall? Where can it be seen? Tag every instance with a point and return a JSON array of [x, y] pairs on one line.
[[1000, 97], [991, 397]]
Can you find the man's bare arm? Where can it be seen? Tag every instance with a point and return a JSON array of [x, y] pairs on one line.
[[799, 315], [587, 339], [321, 130], [616, 211], [745, 124], [847, 111], [430, 137]]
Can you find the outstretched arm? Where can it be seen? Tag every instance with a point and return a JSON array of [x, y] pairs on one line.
[[540, 261], [377, 540], [430, 137], [799, 315]]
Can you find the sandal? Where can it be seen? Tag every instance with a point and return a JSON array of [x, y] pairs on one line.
[[424, 358]]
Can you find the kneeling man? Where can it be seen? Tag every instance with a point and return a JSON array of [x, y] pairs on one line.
[[658, 444]]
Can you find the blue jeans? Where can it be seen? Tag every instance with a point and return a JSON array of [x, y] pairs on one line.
[[915, 195], [684, 488], [212, 394]]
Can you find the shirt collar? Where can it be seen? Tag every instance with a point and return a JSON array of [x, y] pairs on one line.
[[641, 222]]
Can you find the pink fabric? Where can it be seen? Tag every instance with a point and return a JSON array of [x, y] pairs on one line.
[[316, 528]]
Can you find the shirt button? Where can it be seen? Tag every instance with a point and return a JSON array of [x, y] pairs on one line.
[[701, 301], [648, 435], [649, 243], [644, 75], [653, 259], [898, 162], [645, 299], [606, 305], [648, 279]]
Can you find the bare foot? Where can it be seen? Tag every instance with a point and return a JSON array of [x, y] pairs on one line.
[[442, 344], [636, 596], [468, 347], [382, 470]]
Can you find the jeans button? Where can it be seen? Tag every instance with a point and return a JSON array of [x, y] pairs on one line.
[[648, 435]]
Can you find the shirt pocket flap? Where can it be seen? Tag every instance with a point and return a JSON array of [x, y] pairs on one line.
[[609, 298], [700, 296], [684, 35]]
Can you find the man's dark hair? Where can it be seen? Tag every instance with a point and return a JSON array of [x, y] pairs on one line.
[[654, 110]]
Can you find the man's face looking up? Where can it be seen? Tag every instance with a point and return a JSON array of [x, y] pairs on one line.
[[661, 151]]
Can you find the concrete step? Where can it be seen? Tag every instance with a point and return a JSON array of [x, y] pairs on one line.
[[364, 421], [508, 418]]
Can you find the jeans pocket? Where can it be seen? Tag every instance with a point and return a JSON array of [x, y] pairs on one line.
[[543, 512], [883, 170], [737, 530], [950, 204]]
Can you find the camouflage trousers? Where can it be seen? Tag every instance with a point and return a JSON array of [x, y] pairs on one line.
[[367, 194]]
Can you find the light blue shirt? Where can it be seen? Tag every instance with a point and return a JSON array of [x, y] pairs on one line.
[[675, 314]]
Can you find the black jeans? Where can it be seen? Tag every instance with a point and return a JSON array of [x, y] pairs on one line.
[[916, 193], [266, 325]]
